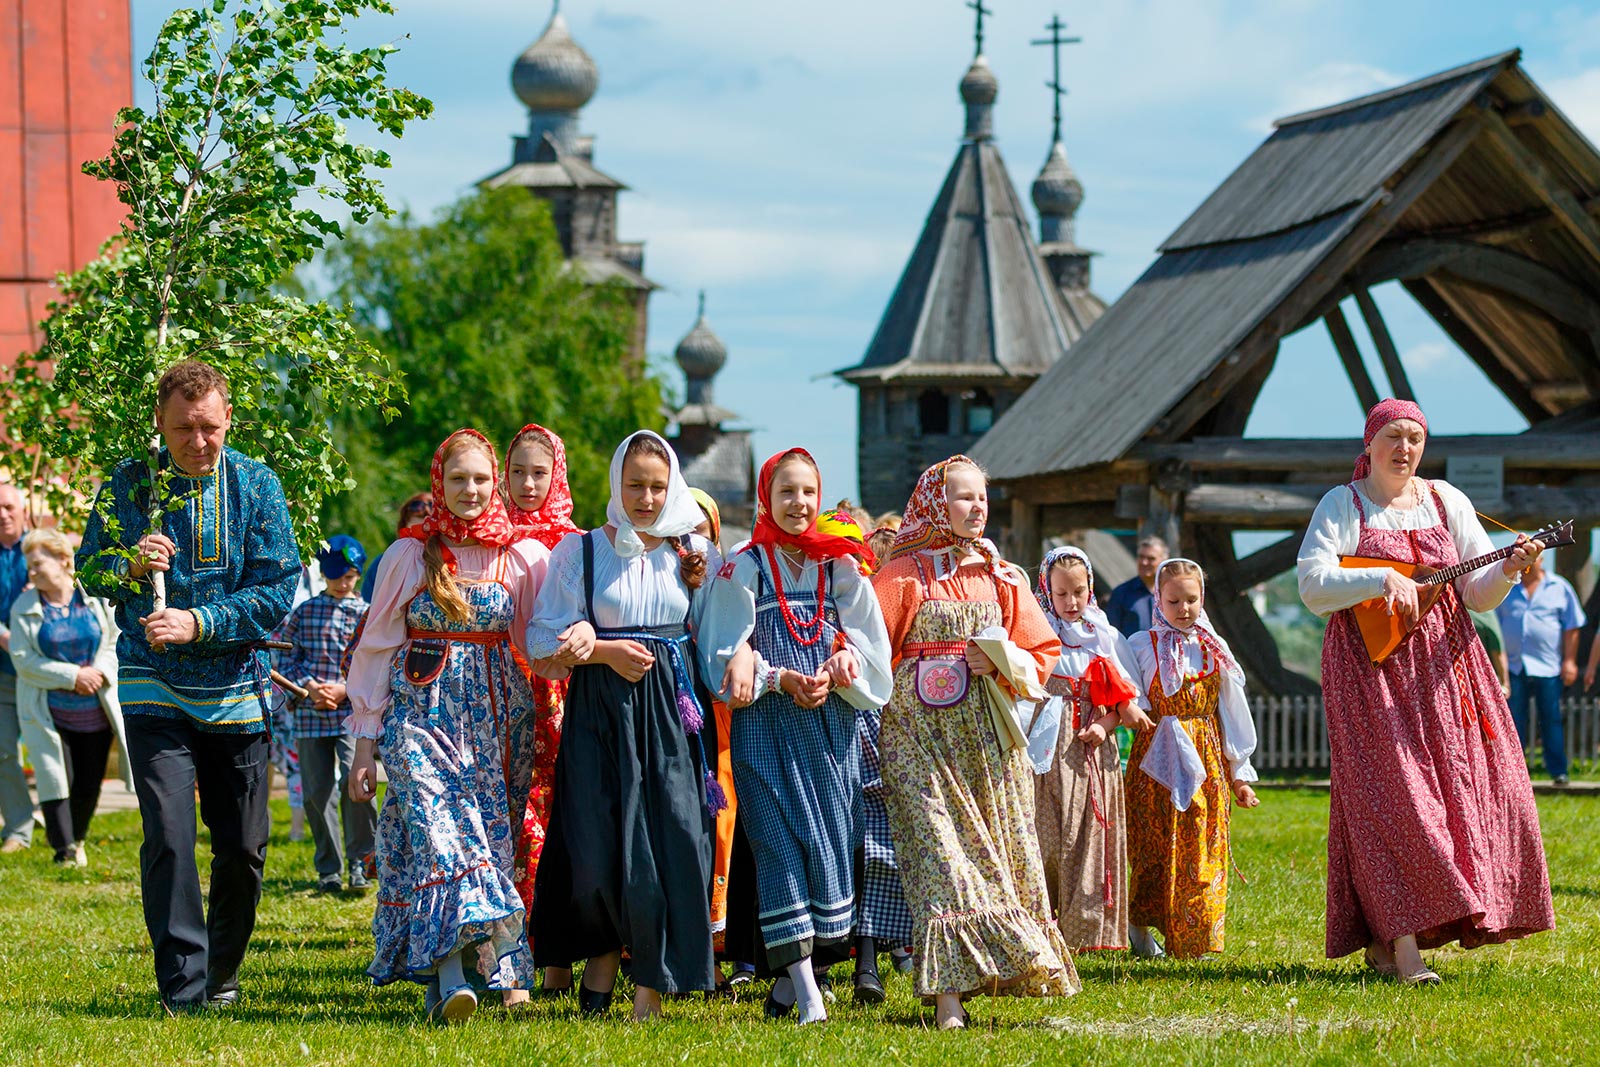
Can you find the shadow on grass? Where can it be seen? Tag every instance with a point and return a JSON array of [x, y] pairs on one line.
[[1227, 971]]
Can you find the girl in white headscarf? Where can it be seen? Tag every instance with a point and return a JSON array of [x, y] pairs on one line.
[[1183, 774], [1083, 836], [627, 855]]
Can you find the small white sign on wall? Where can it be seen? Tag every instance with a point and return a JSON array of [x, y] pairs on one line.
[[1482, 478]]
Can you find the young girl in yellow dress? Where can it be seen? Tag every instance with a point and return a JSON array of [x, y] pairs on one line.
[[1181, 773]]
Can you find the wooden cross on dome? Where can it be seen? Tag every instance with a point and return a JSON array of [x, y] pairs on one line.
[[977, 6], [1055, 41]]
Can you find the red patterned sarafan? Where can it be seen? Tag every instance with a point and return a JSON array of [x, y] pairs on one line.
[[1433, 829]]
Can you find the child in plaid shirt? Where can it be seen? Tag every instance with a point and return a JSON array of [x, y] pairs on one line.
[[321, 630]]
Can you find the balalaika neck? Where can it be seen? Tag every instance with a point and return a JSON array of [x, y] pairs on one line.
[[1456, 570]]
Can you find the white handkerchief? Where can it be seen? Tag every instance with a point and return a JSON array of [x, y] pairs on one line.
[[1173, 761], [1044, 734]]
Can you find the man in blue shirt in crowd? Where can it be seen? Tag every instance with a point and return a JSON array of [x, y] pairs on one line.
[[1131, 604], [1540, 619], [16, 807]]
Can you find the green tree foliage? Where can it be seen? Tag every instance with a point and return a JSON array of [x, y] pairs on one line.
[[240, 172], [489, 327]]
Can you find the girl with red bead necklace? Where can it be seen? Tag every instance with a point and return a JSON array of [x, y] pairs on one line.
[[796, 596]]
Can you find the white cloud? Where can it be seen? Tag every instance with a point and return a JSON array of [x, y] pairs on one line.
[[1331, 83], [1578, 97], [1427, 356]]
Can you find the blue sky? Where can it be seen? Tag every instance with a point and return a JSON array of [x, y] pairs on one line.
[[784, 155]]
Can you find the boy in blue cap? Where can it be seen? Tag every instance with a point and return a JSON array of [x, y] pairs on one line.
[[321, 630]]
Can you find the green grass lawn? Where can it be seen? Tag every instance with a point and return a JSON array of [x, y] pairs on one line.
[[78, 987]]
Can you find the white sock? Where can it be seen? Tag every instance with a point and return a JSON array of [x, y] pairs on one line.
[[807, 994], [450, 973], [783, 992]]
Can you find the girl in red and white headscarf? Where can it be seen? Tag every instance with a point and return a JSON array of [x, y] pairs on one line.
[[539, 505], [960, 791], [435, 686], [1082, 826], [792, 634]]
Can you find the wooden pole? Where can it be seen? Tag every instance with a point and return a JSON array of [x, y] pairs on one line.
[[1345, 342], [1388, 355]]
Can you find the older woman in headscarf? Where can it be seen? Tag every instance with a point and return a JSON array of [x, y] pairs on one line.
[[1432, 836]]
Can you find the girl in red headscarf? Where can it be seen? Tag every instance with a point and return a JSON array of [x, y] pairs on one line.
[[539, 505], [434, 685], [797, 598], [1432, 836]]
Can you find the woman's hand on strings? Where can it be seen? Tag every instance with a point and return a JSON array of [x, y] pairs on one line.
[[1522, 556], [630, 659], [739, 679], [1399, 594]]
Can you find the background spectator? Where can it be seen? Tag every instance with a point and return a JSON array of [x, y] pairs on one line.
[[16, 807], [412, 512], [1130, 603], [1540, 619], [64, 648]]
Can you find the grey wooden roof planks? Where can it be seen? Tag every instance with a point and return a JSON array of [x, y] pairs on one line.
[[1263, 232]]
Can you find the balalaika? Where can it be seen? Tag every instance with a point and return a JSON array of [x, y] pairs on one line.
[[1383, 631]]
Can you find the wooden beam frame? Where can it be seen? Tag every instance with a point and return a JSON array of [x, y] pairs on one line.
[[1558, 198], [1525, 451], [1478, 350], [1344, 342], [1379, 214], [1388, 355], [1273, 507], [1269, 562]]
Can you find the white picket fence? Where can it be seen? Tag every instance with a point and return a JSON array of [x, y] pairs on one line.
[[1292, 733]]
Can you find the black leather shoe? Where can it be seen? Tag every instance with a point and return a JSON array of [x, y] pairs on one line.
[[591, 1003], [773, 1010], [869, 988]]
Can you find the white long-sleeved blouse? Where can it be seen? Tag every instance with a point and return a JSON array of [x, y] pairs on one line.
[[1335, 531], [726, 617], [402, 578], [628, 593]]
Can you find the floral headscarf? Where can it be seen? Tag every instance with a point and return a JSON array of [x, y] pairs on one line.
[[1092, 618], [553, 520], [1170, 640], [491, 528], [926, 527], [1382, 414], [679, 515], [815, 543], [708, 505]]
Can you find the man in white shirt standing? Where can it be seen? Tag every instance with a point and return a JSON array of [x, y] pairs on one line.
[[1540, 619]]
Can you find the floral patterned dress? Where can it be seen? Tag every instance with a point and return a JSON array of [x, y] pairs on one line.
[[1179, 859], [459, 754], [960, 806]]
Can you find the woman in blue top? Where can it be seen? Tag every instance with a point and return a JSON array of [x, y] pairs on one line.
[[64, 646]]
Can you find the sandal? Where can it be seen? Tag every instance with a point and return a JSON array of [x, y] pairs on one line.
[[1419, 978], [1388, 970]]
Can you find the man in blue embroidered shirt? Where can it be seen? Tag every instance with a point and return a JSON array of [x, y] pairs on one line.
[[192, 678], [16, 806]]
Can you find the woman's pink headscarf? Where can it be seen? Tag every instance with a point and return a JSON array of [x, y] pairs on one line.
[[1382, 414]]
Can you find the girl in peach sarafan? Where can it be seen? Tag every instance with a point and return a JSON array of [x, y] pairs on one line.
[[1183, 774], [627, 855], [1082, 825], [539, 504], [960, 788], [796, 598], [435, 688]]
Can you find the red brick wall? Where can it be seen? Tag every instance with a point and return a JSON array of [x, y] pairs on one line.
[[65, 69]]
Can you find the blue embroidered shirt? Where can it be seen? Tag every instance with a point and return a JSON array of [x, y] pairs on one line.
[[236, 569]]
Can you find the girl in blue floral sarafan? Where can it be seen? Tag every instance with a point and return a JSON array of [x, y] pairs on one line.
[[435, 689]]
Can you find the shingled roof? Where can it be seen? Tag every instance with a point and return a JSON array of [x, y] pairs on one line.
[[1298, 216]]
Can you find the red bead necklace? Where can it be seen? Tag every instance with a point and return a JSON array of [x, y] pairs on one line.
[[797, 626]]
